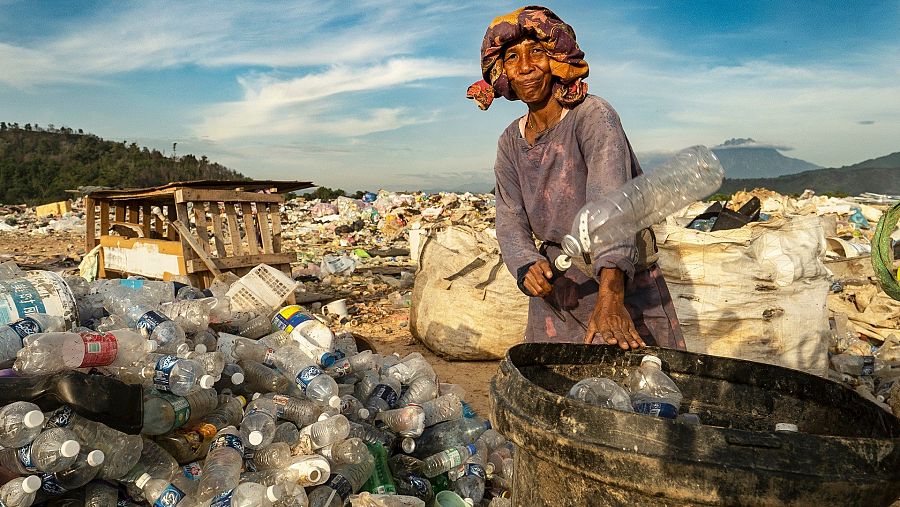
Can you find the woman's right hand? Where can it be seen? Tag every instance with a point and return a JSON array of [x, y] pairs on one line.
[[537, 279]]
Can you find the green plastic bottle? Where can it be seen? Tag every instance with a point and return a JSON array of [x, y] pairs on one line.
[[440, 483], [381, 482]]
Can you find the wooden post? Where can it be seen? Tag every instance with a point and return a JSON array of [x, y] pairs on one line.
[[104, 217], [90, 234]]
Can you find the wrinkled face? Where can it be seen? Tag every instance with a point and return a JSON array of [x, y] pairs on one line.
[[527, 66]]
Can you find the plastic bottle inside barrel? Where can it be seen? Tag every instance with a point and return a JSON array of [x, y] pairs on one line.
[[601, 392], [652, 391]]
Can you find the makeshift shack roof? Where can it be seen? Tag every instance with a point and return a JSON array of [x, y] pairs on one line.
[[165, 192]]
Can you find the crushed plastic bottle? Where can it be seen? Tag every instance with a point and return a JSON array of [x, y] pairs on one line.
[[20, 423], [601, 392]]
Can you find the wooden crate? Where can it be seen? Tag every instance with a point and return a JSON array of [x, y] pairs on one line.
[[229, 226]]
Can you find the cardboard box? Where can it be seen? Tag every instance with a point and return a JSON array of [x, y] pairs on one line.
[[53, 209]]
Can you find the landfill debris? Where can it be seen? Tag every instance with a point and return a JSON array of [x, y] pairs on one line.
[[242, 404]]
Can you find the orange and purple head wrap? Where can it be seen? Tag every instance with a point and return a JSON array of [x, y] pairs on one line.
[[566, 59]]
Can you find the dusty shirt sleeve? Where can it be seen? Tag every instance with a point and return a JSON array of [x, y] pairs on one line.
[[608, 159], [513, 229]]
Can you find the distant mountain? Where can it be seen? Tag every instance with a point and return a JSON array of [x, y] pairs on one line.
[[879, 175], [745, 158]]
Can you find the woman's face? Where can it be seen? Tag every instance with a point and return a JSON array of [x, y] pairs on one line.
[[527, 66]]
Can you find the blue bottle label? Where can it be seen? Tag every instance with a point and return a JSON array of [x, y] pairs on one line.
[[341, 485], [62, 418], [192, 471], [289, 317], [222, 500], [868, 367], [657, 409], [249, 466], [148, 322], [386, 393], [468, 413], [475, 470], [26, 326], [24, 455], [161, 376], [306, 376], [132, 283], [233, 441], [50, 485], [169, 497], [420, 485]]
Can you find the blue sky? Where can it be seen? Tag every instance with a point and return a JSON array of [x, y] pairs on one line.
[[371, 94]]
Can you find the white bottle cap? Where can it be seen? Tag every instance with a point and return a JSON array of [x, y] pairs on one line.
[[563, 262], [31, 484], [789, 427], [651, 359], [200, 348], [334, 402], [152, 345], [314, 475], [69, 448], [323, 416], [237, 379], [255, 395], [96, 458], [273, 493], [255, 437], [142, 480], [207, 381], [363, 413], [33, 419], [408, 445]]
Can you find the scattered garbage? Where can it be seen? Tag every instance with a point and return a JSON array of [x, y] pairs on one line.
[[294, 414]]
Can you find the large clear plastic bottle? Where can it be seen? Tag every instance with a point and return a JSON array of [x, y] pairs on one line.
[[441, 409], [302, 412], [303, 470], [419, 391], [353, 409], [188, 478], [213, 362], [164, 412], [222, 467], [191, 315], [249, 350], [100, 494], [55, 352], [55, 449], [616, 216], [275, 455], [82, 472], [287, 432], [258, 424], [232, 378], [168, 373], [601, 392], [443, 461], [155, 461], [351, 450], [344, 481], [384, 396], [276, 339], [249, 494], [472, 481], [162, 493], [322, 433], [20, 422], [356, 363], [370, 434], [652, 391], [12, 334], [412, 367], [20, 492], [121, 451], [408, 421], [191, 443], [261, 378], [317, 385], [450, 434], [141, 314]]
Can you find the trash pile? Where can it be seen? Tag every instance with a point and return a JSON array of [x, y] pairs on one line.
[[133, 392], [22, 218]]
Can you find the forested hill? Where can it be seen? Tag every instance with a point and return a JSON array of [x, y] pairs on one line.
[[37, 164]]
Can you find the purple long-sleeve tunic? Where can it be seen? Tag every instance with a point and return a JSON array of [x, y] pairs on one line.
[[540, 189]]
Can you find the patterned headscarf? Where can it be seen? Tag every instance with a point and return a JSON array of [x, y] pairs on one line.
[[558, 39]]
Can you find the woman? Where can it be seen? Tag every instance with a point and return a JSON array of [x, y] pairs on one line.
[[569, 148]]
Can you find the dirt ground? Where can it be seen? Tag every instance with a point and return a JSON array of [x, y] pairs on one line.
[[378, 321]]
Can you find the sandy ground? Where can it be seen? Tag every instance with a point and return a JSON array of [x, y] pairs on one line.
[[383, 325]]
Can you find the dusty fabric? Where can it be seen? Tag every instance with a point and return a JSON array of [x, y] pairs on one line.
[[541, 188], [558, 39]]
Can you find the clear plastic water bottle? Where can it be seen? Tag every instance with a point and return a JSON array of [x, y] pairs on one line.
[[12, 334], [287, 432], [55, 352], [471, 483], [20, 422], [616, 216], [249, 350], [450, 434], [188, 478], [321, 433], [384, 396], [318, 386], [53, 450], [213, 362], [353, 409], [601, 392], [652, 391], [441, 409], [100, 494], [232, 377], [351, 450], [443, 461], [367, 382], [276, 339], [345, 343], [20, 492], [305, 471], [362, 361], [155, 461], [274, 455], [222, 467], [302, 412], [161, 493], [419, 391], [249, 494], [208, 338], [370, 434], [121, 451], [190, 444], [82, 472], [344, 481], [141, 315], [256, 327], [191, 315], [171, 374], [412, 367], [258, 424], [263, 379], [164, 412], [408, 421]]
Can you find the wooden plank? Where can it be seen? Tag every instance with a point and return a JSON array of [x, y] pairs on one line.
[[120, 213], [145, 219], [262, 217], [250, 228], [134, 214], [104, 218], [218, 230], [200, 225], [171, 214], [244, 261], [233, 231], [275, 214], [194, 194], [90, 234], [197, 247], [184, 218]]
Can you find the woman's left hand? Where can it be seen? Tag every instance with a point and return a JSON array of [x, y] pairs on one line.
[[611, 324]]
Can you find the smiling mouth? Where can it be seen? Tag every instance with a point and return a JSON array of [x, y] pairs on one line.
[[532, 83]]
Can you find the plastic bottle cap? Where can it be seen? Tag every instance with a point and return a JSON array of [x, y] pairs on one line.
[[328, 360], [314, 475], [152, 345], [273, 493], [200, 348], [96, 458], [69, 448], [207, 381], [31, 484], [237, 378], [323, 416], [408, 445], [334, 402], [255, 437], [651, 359], [33, 419], [142, 480], [563, 262], [789, 427], [363, 413]]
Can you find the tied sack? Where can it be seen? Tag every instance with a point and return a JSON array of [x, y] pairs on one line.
[[465, 303]]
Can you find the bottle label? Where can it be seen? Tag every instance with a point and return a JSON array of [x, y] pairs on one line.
[[192, 471], [289, 317], [386, 393], [306, 376], [454, 456], [131, 283], [26, 326], [100, 349], [269, 359], [61, 418], [281, 402], [169, 497], [179, 405], [249, 465], [868, 366], [657, 409], [233, 441], [419, 485], [24, 455], [340, 368], [51, 485], [222, 500], [341, 485], [476, 470], [148, 322], [161, 376]]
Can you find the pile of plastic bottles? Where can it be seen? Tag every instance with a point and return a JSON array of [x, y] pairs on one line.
[[250, 408]]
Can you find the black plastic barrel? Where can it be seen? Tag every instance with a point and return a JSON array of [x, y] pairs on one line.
[[846, 453]]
